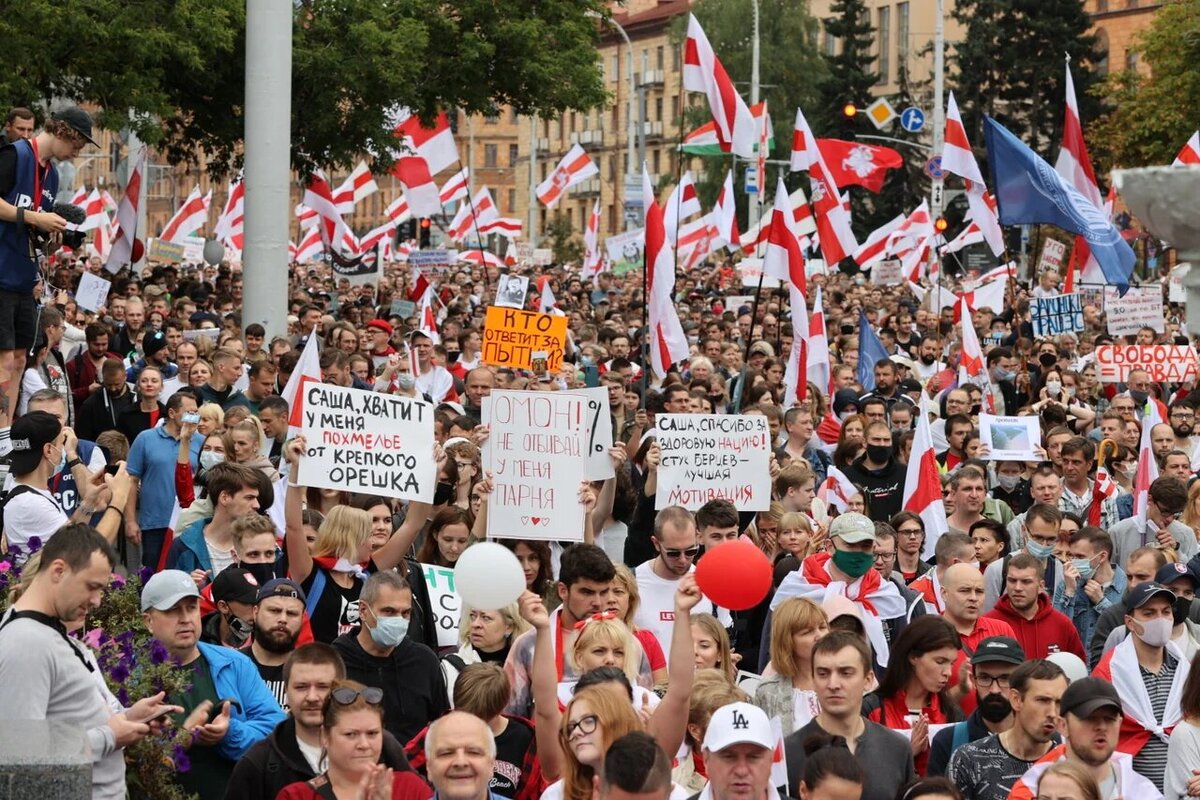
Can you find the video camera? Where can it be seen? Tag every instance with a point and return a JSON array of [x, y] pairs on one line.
[[72, 239]]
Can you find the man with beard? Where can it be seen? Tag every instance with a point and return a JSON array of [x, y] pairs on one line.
[[988, 768], [992, 666], [277, 617], [1182, 418]]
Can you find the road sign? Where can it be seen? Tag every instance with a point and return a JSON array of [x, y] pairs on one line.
[[933, 168], [881, 113], [751, 179], [912, 119]]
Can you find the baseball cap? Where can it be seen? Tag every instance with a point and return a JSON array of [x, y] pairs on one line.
[[1176, 570], [236, 584], [1088, 695], [853, 528], [167, 588], [30, 433], [280, 587], [1144, 591], [738, 723], [1002, 649], [78, 120]]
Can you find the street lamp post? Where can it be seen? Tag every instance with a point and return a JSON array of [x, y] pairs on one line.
[[631, 168], [756, 204], [936, 201]]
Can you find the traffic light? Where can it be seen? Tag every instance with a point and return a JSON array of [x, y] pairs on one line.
[[408, 230], [426, 229], [849, 111], [940, 224]]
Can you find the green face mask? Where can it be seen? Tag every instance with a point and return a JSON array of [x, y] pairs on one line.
[[852, 562]]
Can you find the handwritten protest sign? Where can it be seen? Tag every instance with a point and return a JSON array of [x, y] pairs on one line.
[[1174, 363], [752, 273], [1141, 307], [598, 433], [1051, 316], [543, 257], [524, 252], [369, 442], [447, 605], [536, 453], [511, 337], [92, 293], [713, 457], [888, 272], [403, 309], [1052, 255], [1176, 291], [165, 251]]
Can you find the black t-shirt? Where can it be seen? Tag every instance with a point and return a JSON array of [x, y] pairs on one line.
[[511, 747], [273, 678], [8, 170], [337, 608]]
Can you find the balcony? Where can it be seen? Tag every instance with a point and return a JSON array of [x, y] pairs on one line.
[[588, 138], [653, 130], [651, 77], [543, 145], [588, 188]]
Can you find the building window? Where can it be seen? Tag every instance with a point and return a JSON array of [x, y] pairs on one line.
[[612, 218], [512, 116], [658, 58], [676, 112], [645, 59], [612, 168], [513, 151], [657, 156], [1131, 57], [658, 109], [512, 200], [616, 68], [491, 119], [546, 128], [902, 32], [884, 30], [489, 156], [830, 44], [675, 59], [616, 116]]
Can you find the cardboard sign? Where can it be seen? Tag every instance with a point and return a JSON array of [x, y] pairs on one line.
[[511, 291], [92, 293], [1051, 316], [626, 248], [511, 337], [888, 272], [1052, 255], [524, 252], [752, 273], [447, 605], [599, 433], [165, 251], [713, 457], [536, 454], [543, 257], [1176, 291], [432, 259], [1141, 307], [403, 309], [195, 334], [1010, 438], [1173, 363], [369, 442]]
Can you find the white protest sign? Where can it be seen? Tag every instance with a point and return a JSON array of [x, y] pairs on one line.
[[195, 334], [1141, 307], [536, 453], [447, 605], [369, 442], [193, 247], [92, 293], [1052, 255], [543, 257], [752, 273], [599, 433], [626, 246], [524, 252], [713, 457], [510, 291], [1176, 292], [1050, 316], [889, 272], [1010, 438]]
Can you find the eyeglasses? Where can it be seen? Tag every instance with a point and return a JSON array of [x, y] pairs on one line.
[[1175, 415], [985, 681], [584, 725], [884, 556], [910, 532], [691, 552], [344, 695]]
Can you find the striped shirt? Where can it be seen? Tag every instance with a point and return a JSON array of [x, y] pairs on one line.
[[1151, 760]]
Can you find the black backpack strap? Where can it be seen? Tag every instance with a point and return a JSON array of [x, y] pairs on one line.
[[455, 661]]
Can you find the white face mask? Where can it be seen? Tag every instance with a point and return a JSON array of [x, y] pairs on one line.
[[1053, 387], [1156, 632]]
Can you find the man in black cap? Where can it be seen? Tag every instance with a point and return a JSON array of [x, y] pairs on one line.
[[278, 616], [156, 353], [28, 189], [234, 593], [992, 665]]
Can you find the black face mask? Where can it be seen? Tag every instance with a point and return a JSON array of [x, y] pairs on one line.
[[879, 453], [443, 494], [994, 707], [1047, 359], [239, 630], [1182, 607], [261, 572]]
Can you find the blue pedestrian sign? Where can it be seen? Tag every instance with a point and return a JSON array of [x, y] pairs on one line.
[[912, 119]]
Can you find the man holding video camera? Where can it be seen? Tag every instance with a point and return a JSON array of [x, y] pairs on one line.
[[29, 228]]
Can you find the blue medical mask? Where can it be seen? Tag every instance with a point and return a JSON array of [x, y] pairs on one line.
[[406, 381], [388, 631], [62, 460], [1084, 567], [1039, 550]]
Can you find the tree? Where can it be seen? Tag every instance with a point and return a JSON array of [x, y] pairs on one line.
[[179, 67], [1010, 66], [1153, 115], [849, 78], [566, 245]]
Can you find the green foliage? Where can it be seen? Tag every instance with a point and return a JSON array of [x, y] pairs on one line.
[[850, 77], [1010, 65], [1152, 116], [179, 66], [566, 245]]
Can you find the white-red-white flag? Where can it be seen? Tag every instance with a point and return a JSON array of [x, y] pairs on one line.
[[668, 342], [874, 249], [1147, 465], [479, 211], [574, 167], [308, 370], [971, 365], [547, 301], [923, 487], [782, 258], [510, 254], [93, 207], [425, 153], [508, 227], [1190, 154], [819, 366], [358, 186], [80, 197], [427, 320], [398, 211], [837, 489], [682, 203], [484, 258], [319, 197], [1075, 165], [591, 245], [376, 236], [703, 72], [723, 217], [311, 245], [121, 252], [912, 240], [959, 159], [832, 218], [795, 375], [989, 294], [191, 216], [230, 227], [457, 187]]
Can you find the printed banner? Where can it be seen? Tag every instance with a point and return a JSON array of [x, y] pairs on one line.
[[1173, 363], [535, 452], [713, 456], [447, 605], [165, 251], [625, 250], [432, 259], [1051, 316], [515, 338], [369, 442], [1010, 438], [1141, 307]]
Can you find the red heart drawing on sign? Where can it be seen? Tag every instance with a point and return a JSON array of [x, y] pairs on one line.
[[536, 520]]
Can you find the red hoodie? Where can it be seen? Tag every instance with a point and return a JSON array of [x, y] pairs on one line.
[[1049, 631]]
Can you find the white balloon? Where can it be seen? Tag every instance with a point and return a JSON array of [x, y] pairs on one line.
[[488, 576]]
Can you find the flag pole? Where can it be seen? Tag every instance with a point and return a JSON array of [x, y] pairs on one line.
[[478, 238]]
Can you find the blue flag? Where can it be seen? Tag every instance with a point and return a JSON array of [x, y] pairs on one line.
[[1029, 191], [870, 350]]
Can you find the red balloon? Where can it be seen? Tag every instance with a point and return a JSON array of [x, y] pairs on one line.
[[735, 575], [139, 250]]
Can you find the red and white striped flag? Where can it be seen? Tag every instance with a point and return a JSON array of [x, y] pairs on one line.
[[80, 197], [1190, 154], [959, 159], [682, 203], [358, 186], [971, 366], [311, 246], [319, 197], [819, 365], [308, 370], [93, 207], [836, 490], [912, 240], [480, 211], [547, 301], [110, 205], [723, 217], [802, 223], [376, 236], [482, 257], [510, 254], [1147, 465], [427, 151], [574, 167], [1075, 165], [703, 72], [782, 258], [397, 211], [191, 216], [591, 245], [695, 243], [989, 294], [795, 376], [121, 252], [455, 188], [832, 218], [427, 319], [230, 227], [874, 250], [923, 487], [420, 284], [668, 343], [508, 227]]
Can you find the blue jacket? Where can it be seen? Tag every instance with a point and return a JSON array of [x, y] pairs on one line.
[[189, 551], [19, 272], [255, 714]]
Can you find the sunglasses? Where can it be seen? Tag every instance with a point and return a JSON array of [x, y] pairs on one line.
[[344, 695], [690, 552]]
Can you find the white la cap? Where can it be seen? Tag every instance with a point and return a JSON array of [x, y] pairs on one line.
[[738, 723]]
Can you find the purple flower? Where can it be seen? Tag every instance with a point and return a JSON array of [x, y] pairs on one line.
[[35, 543], [117, 581], [180, 757], [158, 653], [95, 638], [119, 672], [144, 574], [123, 696]]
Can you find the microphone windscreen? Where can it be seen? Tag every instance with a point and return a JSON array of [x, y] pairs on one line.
[[70, 212]]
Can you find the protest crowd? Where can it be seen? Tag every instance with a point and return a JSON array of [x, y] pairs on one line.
[[928, 544]]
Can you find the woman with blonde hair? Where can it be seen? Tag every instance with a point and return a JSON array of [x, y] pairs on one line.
[[1191, 511], [765, 530], [624, 599], [796, 626], [1067, 780], [711, 648], [244, 445], [711, 691], [212, 419], [606, 641], [484, 636]]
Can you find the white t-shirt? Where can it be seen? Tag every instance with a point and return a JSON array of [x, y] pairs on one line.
[[32, 513], [312, 755], [656, 611], [220, 558], [437, 383], [555, 791]]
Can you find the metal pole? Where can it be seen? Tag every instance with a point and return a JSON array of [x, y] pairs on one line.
[[755, 205], [268, 162], [470, 158], [939, 113], [533, 181]]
